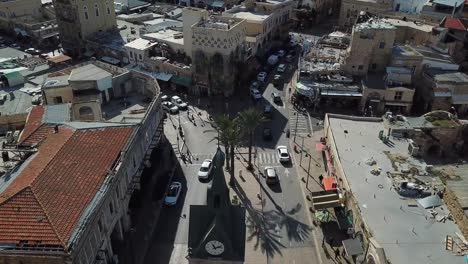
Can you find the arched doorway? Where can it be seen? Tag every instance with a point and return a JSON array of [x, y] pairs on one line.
[[86, 113]]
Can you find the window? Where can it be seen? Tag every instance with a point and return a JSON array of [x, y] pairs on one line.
[[107, 8], [111, 208], [381, 45], [100, 226], [398, 96], [85, 12], [139, 56], [131, 54], [96, 9], [360, 67], [58, 100]]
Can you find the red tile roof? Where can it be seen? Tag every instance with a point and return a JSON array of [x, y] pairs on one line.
[[33, 122], [455, 23], [57, 185]]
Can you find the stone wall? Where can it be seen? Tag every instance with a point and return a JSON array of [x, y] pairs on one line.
[[31, 259], [457, 211]]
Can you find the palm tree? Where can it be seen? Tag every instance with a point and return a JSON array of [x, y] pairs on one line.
[[223, 124], [249, 120]]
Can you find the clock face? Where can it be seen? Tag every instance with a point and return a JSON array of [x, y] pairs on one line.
[[214, 247]]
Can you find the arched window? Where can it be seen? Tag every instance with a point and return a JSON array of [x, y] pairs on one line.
[[96, 9], [107, 7], [85, 12]]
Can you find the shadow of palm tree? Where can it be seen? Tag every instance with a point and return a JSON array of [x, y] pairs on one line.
[[262, 231], [296, 230]]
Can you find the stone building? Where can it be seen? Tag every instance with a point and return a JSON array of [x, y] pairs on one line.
[[371, 47], [443, 89], [70, 196], [435, 10], [351, 9], [79, 20], [19, 11], [392, 91]]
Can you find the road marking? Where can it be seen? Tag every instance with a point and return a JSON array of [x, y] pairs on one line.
[[286, 172]]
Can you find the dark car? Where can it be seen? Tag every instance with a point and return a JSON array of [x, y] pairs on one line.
[[268, 111], [276, 98], [267, 134], [277, 80]]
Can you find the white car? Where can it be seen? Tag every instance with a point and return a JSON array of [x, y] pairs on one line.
[[164, 98], [173, 193], [170, 107], [178, 102], [261, 77], [256, 95], [271, 175], [281, 68], [205, 169], [283, 154]]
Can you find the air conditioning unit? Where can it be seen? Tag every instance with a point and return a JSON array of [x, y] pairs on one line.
[[413, 149], [9, 137]]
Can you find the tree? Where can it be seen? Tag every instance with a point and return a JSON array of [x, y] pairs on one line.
[[229, 135], [249, 120]]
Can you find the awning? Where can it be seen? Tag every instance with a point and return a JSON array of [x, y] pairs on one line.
[[340, 93], [20, 31], [163, 76], [182, 81], [304, 90], [329, 183], [353, 247], [110, 60], [218, 4], [325, 199], [430, 201], [459, 99], [397, 104], [322, 216], [443, 94], [59, 59], [50, 35]]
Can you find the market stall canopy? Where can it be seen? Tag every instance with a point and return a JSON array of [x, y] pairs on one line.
[[326, 199]]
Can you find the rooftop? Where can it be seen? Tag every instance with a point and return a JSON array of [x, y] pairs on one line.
[[447, 76], [410, 24], [140, 44], [450, 3], [457, 181], [455, 23], [219, 23], [251, 16], [16, 101], [12, 53], [168, 35], [401, 228], [374, 23], [89, 72], [55, 186], [431, 54]]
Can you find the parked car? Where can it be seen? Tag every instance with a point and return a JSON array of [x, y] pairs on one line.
[[276, 98], [205, 169], [122, 27], [164, 98], [173, 193], [178, 102], [44, 56], [15, 46], [267, 134], [271, 175], [32, 51], [261, 77], [170, 107], [277, 80], [256, 95], [283, 154], [268, 111], [281, 68], [254, 85]]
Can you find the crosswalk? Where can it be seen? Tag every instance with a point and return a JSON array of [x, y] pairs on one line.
[[299, 123], [263, 158]]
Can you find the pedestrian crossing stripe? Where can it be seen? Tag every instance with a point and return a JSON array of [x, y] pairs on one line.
[[262, 157]]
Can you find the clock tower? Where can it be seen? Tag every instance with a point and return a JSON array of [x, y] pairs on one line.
[[217, 229]]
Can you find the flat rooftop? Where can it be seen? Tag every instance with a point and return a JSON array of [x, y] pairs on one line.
[[407, 234], [167, 35], [410, 24], [140, 44], [431, 54], [131, 110], [447, 76], [16, 101], [374, 23], [251, 16]]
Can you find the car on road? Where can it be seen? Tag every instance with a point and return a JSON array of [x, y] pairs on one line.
[[256, 95], [173, 193], [277, 80], [281, 68], [261, 77], [268, 111], [205, 169], [164, 98], [271, 177], [178, 102], [122, 27], [276, 98], [45, 56], [15, 46], [267, 134], [32, 51], [283, 154], [170, 107]]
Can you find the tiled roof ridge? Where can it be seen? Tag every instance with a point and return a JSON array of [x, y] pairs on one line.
[[21, 139], [47, 215]]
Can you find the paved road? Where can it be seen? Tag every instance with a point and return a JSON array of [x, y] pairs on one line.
[[284, 210]]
